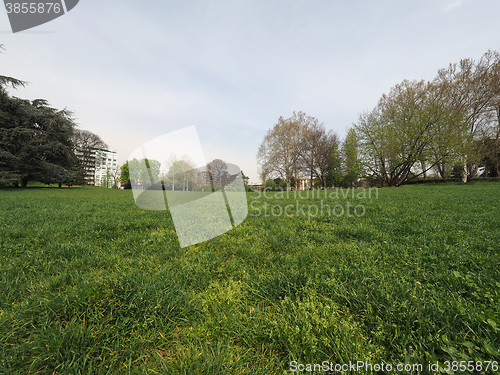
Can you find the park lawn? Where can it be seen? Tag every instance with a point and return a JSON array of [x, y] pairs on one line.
[[92, 284]]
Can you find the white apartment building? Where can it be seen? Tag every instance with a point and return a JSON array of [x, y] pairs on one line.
[[106, 171], [100, 165]]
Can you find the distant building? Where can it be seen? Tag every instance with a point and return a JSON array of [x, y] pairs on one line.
[[100, 165], [256, 186]]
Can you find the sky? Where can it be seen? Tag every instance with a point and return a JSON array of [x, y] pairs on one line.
[[132, 71]]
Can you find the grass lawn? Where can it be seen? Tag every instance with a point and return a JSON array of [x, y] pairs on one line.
[[92, 284]]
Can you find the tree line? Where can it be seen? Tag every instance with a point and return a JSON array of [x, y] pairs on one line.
[[181, 175], [450, 125], [299, 147], [37, 141], [447, 127]]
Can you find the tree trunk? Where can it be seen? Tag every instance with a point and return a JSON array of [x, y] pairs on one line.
[[422, 163], [486, 172], [442, 170], [24, 182], [464, 170]]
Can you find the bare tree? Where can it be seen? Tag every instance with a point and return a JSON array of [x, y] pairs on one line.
[[87, 139], [86, 144], [314, 135], [217, 169], [319, 152], [280, 151], [180, 175]]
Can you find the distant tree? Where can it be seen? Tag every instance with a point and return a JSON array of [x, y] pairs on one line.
[[473, 88], [445, 125], [144, 173], [396, 138], [351, 166], [125, 176], [85, 138], [180, 176], [319, 152], [218, 172], [86, 143], [280, 152], [446, 145], [313, 139], [270, 185], [328, 162], [111, 180], [300, 147]]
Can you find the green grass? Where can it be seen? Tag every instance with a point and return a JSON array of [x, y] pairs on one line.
[[91, 284]]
